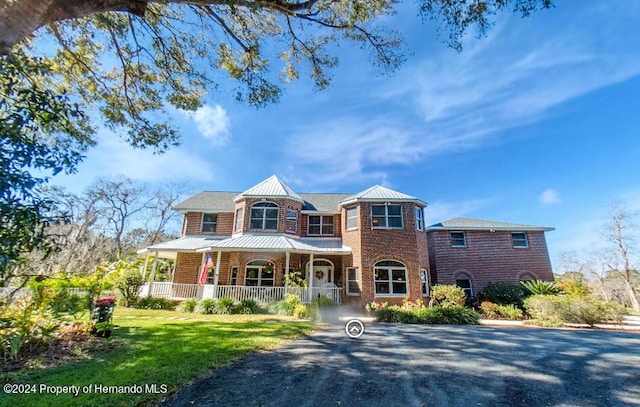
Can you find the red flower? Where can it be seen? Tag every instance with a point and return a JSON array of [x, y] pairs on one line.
[[105, 301]]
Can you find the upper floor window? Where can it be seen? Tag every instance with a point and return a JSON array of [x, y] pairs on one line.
[[264, 215], [520, 240], [239, 220], [386, 216], [292, 221], [209, 222], [320, 225], [352, 217], [458, 239], [419, 218], [390, 278]]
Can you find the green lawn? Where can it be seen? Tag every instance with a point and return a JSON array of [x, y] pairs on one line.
[[159, 348]]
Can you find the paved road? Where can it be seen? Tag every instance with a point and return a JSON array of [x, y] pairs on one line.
[[410, 365]]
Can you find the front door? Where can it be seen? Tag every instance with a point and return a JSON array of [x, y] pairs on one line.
[[321, 275]]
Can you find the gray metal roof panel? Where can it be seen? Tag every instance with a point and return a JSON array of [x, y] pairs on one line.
[[271, 187], [481, 224]]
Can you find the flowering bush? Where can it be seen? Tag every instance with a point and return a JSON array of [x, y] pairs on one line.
[[105, 301]]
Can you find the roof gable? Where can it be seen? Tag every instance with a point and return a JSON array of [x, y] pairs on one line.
[[379, 193], [272, 187]]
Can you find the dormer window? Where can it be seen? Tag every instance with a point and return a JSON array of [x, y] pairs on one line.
[[264, 216], [386, 216]]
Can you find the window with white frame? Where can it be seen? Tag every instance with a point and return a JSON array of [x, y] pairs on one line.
[[353, 281], [259, 273], [419, 218], [458, 239], [320, 225], [386, 216], [239, 220], [519, 240], [292, 221], [264, 216], [233, 276], [390, 278], [424, 280], [209, 222], [465, 284], [351, 221]]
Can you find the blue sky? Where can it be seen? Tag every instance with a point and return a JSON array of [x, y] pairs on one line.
[[537, 123]]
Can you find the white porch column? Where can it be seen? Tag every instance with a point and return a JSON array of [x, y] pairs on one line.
[[153, 272], [311, 278], [216, 274], [287, 262]]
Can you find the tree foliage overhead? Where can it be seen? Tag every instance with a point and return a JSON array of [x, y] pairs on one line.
[[133, 58]]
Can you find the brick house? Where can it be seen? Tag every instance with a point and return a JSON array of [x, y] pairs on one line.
[[474, 253], [353, 248]]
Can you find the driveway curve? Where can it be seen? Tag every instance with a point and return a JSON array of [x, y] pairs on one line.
[[432, 365]]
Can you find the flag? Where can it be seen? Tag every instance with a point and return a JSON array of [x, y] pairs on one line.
[[202, 280]]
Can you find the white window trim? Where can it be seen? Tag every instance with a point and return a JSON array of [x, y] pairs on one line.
[[356, 281], [289, 220], [425, 282], [239, 220], [526, 240], [390, 280], [465, 289], [215, 227], [260, 268], [464, 237], [346, 217], [322, 224], [264, 215], [419, 218], [386, 216]]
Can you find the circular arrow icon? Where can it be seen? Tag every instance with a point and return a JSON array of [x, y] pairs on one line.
[[354, 328]]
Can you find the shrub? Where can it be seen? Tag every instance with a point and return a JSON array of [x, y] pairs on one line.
[[129, 287], [448, 295], [247, 307], [301, 311], [423, 315], [189, 305], [489, 310], [287, 305], [225, 306], [156, 303], [573, 287], [548, 310], [510, 311], [207, 306], [505, 293], [539, 287]]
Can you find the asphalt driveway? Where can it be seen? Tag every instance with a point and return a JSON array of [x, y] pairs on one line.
[[411, 365]]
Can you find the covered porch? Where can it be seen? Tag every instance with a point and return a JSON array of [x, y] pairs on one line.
[[256, 267]]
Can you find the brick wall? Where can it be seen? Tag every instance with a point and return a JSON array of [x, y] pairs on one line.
[[192, 224], [369, 246], [283, 205], [489, 257]]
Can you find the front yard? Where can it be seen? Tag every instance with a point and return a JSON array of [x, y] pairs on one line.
[[152, 354]]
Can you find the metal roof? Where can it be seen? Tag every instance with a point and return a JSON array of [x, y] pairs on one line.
[[272, 187], [480, 224], [183, 244], [279, 243], [379, 193]]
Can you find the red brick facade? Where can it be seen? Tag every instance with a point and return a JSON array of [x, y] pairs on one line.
[[488, 257]]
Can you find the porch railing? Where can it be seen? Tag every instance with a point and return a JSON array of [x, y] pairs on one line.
[[240, 292]]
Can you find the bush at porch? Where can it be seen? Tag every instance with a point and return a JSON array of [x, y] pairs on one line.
[[225, 306], [419, 314], [156, 303]]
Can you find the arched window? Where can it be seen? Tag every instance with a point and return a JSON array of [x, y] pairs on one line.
[[259, 273], [390, 278], [264, 216]]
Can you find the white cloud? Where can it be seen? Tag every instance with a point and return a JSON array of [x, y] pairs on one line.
[[451, 102], [213, 123], [549, 197]]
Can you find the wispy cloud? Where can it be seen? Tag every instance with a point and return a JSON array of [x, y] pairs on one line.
[[456, 102], [549, 197], [213, 123]]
